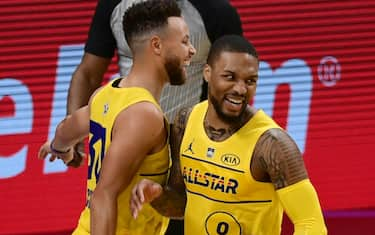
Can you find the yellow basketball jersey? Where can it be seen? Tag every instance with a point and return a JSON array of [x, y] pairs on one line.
[[222, 195], [105, 107]]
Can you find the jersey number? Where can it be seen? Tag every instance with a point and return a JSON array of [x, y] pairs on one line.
[[222, 223], [98, 137], [222, 228]]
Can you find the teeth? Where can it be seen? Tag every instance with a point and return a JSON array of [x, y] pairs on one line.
[[234, 101], [187, 62]]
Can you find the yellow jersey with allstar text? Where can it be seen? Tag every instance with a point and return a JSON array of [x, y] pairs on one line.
[[105, 106], [222, 196]]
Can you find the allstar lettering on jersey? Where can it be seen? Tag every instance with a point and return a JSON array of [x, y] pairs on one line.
[[210, 180]]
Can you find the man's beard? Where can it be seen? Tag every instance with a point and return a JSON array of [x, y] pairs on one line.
[[175, 72], [229, 119]]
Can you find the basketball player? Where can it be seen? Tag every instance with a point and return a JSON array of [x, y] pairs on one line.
[[207, 20], [234, 169], [128, 138]]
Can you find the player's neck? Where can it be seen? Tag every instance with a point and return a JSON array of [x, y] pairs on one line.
[[219, 130], [145, 79], [146, 72]]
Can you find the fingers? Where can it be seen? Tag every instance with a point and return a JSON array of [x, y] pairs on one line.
[[78, 155], [66, 157], [155, 191], [144, 192], [80, 147], [44, 151], [53, 158], [137, 199], [134, 210]]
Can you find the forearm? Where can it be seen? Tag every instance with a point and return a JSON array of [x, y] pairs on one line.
[[170, 203], [72, 129], [103, 209], [301, 204], [64, 139], [81, 88]]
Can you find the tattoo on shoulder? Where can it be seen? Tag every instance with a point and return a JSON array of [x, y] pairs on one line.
[[181, 119], [278, 156]]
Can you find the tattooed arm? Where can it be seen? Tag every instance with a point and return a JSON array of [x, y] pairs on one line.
[[277, 159], [171, 199]]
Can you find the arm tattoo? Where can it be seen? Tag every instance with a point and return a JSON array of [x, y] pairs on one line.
[[276, 158], [172, 202]]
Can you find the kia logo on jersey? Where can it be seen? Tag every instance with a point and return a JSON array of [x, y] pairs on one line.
[[230, 159]]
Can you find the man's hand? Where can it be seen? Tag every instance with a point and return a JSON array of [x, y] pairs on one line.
[[78, 155], [45, 149], [144, 192]]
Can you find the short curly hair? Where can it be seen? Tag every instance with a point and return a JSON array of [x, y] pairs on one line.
[[145, 17]]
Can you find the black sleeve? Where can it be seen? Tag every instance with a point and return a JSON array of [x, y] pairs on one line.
[[101, 41], [219, 18]]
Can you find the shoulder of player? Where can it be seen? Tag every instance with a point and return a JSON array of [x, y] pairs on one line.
[[146, 109], [277, 135], [144, 115], [275, 144], [277, 155], [94, 94], [182, 117]]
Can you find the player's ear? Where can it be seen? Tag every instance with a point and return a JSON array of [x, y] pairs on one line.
[[156, 45], [207, 72]]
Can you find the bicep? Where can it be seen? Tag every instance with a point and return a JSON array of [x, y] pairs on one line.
[[132, 141], [86, 78], [278, 155], [176, 180], [93, 67]]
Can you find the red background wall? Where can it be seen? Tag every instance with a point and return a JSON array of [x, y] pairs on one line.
[[341, 118]]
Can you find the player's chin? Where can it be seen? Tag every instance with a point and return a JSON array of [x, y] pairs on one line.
[[178, 80], [178, 83]]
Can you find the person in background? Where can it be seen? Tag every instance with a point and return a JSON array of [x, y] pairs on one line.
[[234, 170], [207, 21], [128, 132]]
